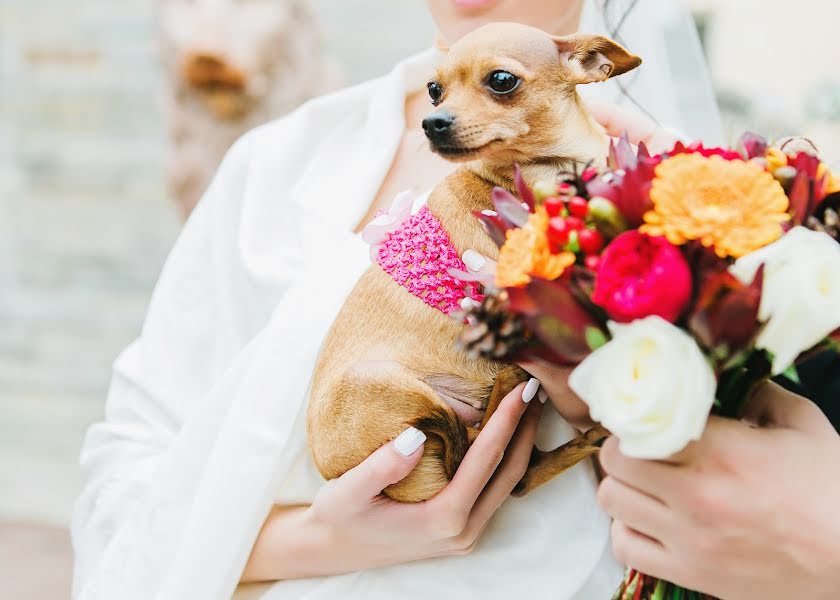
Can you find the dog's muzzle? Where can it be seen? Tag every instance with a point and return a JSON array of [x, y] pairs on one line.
[[439, 126]]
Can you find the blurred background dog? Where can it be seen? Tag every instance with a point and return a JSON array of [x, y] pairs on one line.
[[230, 65]]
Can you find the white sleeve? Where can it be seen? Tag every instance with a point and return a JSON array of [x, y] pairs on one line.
[[139, 461]]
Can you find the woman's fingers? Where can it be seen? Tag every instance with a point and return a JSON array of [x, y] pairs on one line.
[[388, 465], [651, 477], [484, 455], [554, 380], [639, 511], [510, 472], [476, 262], [638, 127], [638, 551]]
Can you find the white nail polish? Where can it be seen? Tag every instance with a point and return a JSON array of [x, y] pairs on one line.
[[474, 261], [409, 441], [530, 390], [468, 303], [542, 396]]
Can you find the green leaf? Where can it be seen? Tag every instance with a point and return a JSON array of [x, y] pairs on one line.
[[595, 337], [659, 592], [792, 374]]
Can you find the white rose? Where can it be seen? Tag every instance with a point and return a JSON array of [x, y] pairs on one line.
[[650, 386], [800, 300]]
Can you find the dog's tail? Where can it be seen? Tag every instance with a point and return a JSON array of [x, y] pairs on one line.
[[371, 404], [446, 445]]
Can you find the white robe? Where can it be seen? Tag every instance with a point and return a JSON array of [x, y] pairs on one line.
[[204, 419]]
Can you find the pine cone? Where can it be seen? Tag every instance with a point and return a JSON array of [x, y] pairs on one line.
[[828, 223], [492, 332]]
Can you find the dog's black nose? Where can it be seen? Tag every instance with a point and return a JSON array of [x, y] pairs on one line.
[[438, 125]]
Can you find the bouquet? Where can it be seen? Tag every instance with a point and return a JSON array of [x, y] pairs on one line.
[[676, 283]]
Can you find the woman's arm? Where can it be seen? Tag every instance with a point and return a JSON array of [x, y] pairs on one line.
[[351, 526]]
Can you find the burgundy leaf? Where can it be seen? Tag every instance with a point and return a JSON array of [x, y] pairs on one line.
[[604, 186], [805, 162], [802, 200], [525, 192], [556, 317], [752, 146], [726, 312], [560, 338], [629, 182], [612, 157], [625, 155], [494, 225], [509, 208]]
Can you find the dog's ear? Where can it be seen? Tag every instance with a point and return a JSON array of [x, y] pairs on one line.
[[591, 58]]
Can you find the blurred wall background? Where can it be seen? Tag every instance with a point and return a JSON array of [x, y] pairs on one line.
[[85, 222]]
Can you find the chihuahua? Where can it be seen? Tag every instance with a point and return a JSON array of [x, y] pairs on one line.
[[505, 96]]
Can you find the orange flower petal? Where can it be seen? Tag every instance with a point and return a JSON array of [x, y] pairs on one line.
[[526, 253], [735, 206]]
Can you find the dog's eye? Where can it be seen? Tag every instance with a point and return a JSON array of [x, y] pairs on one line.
[[502, 82], [435, 92]]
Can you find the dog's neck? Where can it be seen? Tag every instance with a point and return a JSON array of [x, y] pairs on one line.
[[580, 141], [533, 172]]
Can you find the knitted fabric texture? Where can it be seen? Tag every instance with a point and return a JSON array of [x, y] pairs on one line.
[[418, 255]]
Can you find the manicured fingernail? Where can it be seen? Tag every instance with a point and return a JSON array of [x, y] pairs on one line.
[[468, 303], [474, 261], [542, 396], [530, 390], [409, 441]]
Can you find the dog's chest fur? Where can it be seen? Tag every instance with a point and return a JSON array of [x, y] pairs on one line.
[[382, 321]]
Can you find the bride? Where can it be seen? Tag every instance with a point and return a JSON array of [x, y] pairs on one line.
[[199, 482]]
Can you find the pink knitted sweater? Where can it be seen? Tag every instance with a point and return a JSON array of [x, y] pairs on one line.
[[418, 254]]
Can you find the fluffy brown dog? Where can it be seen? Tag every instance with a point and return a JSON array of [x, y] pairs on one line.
[[506, 95]]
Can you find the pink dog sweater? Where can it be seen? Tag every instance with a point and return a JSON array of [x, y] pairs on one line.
[[419, 255]]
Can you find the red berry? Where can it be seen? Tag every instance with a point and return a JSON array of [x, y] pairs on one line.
[[592, 262], [591, 241], [575, 223], [589, 174], [558, 232], [553, 206], [579, 207], [566, 189]]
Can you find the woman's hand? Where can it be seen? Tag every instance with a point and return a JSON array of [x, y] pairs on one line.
[[555, 383], [352, 526], [746, 512], [639, 128]]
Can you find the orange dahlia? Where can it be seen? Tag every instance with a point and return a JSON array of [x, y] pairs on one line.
[[735, 206], [526, 254]]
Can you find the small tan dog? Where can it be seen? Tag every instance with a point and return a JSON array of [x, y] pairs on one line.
[[505, 95]]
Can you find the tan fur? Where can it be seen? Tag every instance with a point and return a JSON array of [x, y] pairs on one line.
[[389, 360]]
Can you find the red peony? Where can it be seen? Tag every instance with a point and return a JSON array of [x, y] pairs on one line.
[[699, 148], [640, 276]]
